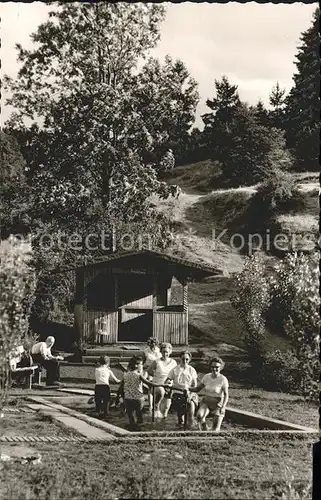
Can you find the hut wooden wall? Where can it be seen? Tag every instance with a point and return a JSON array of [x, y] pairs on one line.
[[171, 327], [95, 320]]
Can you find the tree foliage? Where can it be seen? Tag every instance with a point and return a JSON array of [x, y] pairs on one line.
[[13, 186], [247, 148], [285, 302], [94, 121], [277, 101], [16, 294], [98, 110], [303, 102]]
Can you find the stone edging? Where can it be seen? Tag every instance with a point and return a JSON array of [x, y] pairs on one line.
[[112, 429], [259, 422]]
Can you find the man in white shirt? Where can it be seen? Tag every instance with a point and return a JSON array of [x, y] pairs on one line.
[[41, 353]]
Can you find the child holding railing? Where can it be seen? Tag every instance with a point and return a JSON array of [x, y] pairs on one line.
[[132, 390]]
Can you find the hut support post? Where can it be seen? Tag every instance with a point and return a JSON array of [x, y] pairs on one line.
[[185, 295]]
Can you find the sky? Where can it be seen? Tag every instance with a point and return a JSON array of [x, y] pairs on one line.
[[253, 44]]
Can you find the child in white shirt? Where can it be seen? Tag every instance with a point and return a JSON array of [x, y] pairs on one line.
[[103, 374]]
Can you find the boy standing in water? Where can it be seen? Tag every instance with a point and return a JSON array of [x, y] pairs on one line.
[[103, 374]]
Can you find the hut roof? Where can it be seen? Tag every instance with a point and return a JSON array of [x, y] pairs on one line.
[[194, 270]]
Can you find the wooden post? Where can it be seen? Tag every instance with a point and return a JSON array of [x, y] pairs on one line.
[[153, 405], [116, 291], [154, 278], [154, 305], [185, 411], [185, 295], [84, 328], [185, 309]]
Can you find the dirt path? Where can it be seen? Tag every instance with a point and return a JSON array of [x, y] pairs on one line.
[[305, 187], [175, 208], [204, 304]]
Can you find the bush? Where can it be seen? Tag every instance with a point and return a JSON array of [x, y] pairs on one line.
[[284, 302], [277, 191], [252, 300], [280, 371], [16, 294]]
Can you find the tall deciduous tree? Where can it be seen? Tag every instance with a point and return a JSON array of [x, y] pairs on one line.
[[97, 110], [13, 188], [303, 103]]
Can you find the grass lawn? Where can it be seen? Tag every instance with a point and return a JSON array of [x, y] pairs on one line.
[[215, 323], [278, 405], [219, 323], [236, 467], [30, 423], [214, 288]]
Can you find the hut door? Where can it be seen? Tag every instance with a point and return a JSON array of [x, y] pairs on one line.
[[135, 323]]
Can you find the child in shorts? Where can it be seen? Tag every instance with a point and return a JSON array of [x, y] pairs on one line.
[[103, 374]]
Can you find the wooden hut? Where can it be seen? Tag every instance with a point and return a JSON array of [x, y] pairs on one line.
[[126, 298]]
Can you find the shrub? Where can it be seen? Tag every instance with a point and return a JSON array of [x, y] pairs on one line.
[[251, 300], [277, 191], [295, 297], [280, 371], [17, 286], [286, 303]]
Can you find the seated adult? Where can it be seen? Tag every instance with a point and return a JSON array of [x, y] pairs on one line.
[[184, 377], [41, 353], [159, 370], [20, 363], [151, 354], [214, 389]]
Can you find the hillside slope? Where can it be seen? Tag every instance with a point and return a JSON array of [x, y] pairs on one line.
[[202, 212]]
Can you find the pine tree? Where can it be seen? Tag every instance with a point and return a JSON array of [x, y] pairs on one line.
[[223, 104], [261, 113], [216, 132], [303, 104], [277, 102], [241, 139]]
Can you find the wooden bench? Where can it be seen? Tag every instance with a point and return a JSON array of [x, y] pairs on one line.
[[31, 372]]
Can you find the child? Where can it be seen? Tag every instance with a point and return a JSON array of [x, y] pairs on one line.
[[214, 387], [102, 390], [132, 387]]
